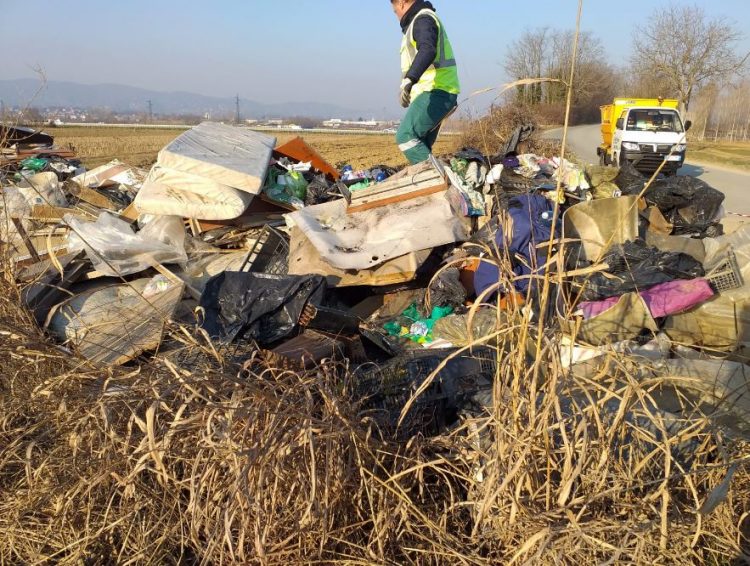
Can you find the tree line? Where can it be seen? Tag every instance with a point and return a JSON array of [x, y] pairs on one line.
[[680, 52]]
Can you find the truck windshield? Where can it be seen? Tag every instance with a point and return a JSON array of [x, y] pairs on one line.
[[654, 121]]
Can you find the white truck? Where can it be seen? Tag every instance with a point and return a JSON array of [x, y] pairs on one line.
[[645, 132]]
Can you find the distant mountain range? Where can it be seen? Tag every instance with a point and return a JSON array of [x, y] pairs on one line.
[[121, 98]]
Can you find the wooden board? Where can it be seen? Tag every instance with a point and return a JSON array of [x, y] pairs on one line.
[[96, 198], [45, 213], [421, 181]]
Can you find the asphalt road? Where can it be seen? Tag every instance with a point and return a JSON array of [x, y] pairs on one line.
[[583, 141]]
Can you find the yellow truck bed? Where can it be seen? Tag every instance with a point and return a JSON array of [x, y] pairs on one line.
[[612, 112]]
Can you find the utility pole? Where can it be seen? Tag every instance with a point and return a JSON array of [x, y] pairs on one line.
[[150, 112], [2, 111], [237, 103]]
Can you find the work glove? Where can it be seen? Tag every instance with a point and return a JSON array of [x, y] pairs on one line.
[[406, 86]]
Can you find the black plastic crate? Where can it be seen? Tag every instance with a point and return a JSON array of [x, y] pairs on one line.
[[269, 254]]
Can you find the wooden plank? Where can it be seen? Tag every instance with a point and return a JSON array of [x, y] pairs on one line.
[[387, 186], [130, 214], [95, 198], [368, 196], [45, 213], [26, 240], [398, 198]]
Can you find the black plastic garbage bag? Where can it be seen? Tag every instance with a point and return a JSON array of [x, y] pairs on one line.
[[629, 180], [257, 306], [636, 266], [447, 290], [690, 204]]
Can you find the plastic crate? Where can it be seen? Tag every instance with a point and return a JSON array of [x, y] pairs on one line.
[[727, 275], [269, 254]]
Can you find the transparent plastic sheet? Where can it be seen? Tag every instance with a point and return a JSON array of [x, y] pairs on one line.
[[115, 250], [455, 329]]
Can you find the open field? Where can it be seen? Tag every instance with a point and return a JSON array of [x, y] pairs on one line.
[[728, 154], [139, 146]]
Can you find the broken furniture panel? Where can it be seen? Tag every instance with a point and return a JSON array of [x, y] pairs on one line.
[[369, 238], [298, 150], [304, 259]]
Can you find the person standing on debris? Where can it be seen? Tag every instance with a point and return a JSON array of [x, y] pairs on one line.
[[430, 86]]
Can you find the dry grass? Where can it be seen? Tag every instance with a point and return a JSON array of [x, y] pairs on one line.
[[490, 132], [192, 462], [139, 146], [734, 155]]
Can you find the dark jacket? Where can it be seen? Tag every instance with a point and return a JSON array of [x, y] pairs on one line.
[[426, 34]]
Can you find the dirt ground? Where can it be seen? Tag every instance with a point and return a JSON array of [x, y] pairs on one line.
[[139, 146]]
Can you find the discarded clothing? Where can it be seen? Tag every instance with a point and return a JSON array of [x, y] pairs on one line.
[[662, 300], [531, 217]]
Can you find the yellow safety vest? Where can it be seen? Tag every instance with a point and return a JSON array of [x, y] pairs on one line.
[[443, 73]]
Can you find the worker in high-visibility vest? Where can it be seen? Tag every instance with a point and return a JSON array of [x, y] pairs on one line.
[[429, 87]]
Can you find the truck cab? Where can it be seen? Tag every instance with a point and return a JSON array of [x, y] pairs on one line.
[[645, 133]]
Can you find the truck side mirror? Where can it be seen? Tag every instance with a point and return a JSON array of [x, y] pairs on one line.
[[688, 125], [621, 124]]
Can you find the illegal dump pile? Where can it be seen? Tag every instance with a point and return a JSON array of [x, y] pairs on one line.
[[245, 355]]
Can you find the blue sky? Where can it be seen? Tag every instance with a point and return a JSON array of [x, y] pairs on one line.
[[340, 51]]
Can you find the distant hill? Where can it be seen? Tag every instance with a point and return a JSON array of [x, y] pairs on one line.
[[121, 98]]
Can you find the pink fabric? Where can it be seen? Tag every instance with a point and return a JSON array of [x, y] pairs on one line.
[[662, 300]]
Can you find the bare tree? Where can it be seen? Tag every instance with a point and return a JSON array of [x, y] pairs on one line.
[[685, 48], [545, 52], [527, 59]]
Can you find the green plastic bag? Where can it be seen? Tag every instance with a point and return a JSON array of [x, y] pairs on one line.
[[36, 164]]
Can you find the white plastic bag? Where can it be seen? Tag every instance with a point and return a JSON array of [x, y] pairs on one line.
[[43, 189], [116, 250]]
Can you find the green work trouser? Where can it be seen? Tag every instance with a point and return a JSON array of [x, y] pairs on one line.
[[420, 127]]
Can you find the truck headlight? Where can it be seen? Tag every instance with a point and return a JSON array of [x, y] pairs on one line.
[[679, 148], [630, 146]]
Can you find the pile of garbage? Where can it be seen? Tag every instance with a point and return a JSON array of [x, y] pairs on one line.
[[273, 253]]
